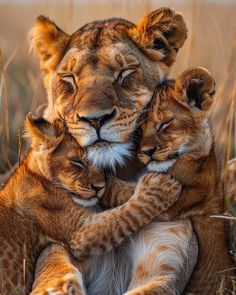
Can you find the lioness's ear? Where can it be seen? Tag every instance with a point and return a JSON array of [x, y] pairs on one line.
[[43, 134], [197, 87], [49, 41], [164, 31]]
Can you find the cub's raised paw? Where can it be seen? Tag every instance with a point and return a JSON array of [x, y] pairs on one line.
[[68, 285], [164, 188]]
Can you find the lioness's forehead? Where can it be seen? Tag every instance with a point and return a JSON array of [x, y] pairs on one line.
[[119, 55], [99, 33], [104, 42]]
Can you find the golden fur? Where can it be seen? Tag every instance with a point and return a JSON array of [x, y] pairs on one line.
[[35, 207], [100, 78], [166, 273], [177, 139]]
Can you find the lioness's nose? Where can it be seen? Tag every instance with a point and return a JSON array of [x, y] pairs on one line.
[[97, 122]]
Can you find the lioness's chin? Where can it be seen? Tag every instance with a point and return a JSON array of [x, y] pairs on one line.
[[109, 155], [160, 166]]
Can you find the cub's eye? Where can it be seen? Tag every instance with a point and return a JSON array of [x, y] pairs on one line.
[[77, 163], [125, 73], [164, 124]]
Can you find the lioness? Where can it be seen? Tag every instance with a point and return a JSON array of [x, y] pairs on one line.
[[99, 81]]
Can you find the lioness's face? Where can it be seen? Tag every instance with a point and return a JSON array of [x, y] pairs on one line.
[[100, 95], [104, 76]]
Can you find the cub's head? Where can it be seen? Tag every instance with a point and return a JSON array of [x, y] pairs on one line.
[[100, 78], [177, 123], [57, 155]]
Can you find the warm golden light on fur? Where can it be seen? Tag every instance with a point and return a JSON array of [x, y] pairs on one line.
[[184, 148], [39, 198], [22, 90], [95, 58]]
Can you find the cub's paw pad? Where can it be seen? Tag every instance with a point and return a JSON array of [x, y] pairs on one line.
[[148, 180], [156, 180], [163, 186], [67, 285], [170, 187]]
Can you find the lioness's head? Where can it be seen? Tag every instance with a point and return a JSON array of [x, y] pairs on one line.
[[101, 77], [177, 122], [59, 157]]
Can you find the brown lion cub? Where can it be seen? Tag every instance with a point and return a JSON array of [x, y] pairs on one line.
[[177, 139], [35, 207]]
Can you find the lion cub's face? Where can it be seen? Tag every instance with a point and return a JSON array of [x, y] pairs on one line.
[[100, 78], [65, 161], [177, 122]]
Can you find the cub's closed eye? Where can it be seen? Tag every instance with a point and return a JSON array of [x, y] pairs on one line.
[[77, 163], [164, 124], [125, 73]]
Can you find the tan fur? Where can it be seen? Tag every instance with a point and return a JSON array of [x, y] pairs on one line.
[[163, 261], [163, 25], [177, 132], [106, 77], [47, 32], [35, 207], [100, 78], [164, 254], [57, 271]]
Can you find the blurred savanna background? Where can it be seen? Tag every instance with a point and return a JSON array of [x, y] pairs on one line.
[[211, 43]]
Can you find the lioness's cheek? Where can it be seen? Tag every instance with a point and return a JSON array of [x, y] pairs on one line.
[[142, 98]]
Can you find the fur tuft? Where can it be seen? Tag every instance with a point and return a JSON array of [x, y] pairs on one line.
[[161, 166], [49, 41], [85, 202], [110, 155]]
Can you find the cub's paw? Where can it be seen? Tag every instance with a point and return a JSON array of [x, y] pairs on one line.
[[163, 189], [68, 285]]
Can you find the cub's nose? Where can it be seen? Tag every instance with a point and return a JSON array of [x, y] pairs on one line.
[[149, 152], [97, 121], [99, 189]]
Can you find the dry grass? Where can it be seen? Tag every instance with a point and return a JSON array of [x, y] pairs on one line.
[[211, 43]]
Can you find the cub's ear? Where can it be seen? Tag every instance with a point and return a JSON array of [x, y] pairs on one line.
[[162, 30], [49, 41], [196, 87], [43, 134]]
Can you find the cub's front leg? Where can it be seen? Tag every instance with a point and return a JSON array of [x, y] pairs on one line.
[[57, 273], [117, 192], [154, 194]]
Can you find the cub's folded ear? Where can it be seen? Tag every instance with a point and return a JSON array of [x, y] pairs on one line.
[[197, 88], [49, 41], [43, 134], [163, 31]]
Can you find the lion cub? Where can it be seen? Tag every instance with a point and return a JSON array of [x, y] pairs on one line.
[[177, 139], [35, 208]]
